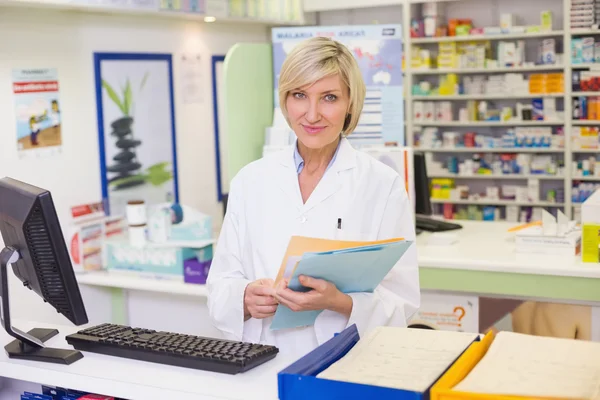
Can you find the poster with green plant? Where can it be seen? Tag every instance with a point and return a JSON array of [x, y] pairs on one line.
[[136, 128]]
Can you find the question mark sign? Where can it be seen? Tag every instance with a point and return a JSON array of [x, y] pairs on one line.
[[462, 312]]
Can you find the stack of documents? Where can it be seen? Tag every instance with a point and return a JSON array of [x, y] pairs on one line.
[[352, 266], [522, 365], [400, 358]]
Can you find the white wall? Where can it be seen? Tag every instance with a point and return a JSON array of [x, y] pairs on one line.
[[66, 41]]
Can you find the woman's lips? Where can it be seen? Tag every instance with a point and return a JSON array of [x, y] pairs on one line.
[[312, 130]]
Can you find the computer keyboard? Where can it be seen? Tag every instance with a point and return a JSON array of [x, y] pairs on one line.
[[435, 225], [181, 350]]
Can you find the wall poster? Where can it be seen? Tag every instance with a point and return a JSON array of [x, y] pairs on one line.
[[136, 127], [378, 50], [37, 110]]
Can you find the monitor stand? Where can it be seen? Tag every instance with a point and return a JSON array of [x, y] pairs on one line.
[[28, 345]]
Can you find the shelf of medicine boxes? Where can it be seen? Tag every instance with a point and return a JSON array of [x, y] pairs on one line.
[[497, 176], [475, 38], [489, 202], [498, 70], [489, 123], [500, 96], [585, 31], [535, 150]]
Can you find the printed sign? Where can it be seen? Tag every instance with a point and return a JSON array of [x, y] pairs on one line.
[[37, 109]]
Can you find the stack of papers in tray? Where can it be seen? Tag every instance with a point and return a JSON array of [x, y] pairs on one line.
[[541, 367], [400, 358]]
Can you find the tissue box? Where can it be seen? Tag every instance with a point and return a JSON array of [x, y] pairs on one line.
[[153, 261], [196, 269]]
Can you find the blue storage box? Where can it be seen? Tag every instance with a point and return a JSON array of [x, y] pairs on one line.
[[299, 381]]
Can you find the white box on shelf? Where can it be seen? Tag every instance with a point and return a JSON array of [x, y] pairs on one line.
[[418, 111], [532, 240], [429, 111]]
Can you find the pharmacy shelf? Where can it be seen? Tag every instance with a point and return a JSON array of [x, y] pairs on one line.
[[489, 96], [494, 177], [471, 38], [492, 150], [490, 123], [583, 32], [586, 66], [585, 123], [533, 68], [485, 202], [587, 178], [565, 66], [585, 94]]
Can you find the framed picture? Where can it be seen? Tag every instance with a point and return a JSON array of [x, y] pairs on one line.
[[136, 129], [217, 63]]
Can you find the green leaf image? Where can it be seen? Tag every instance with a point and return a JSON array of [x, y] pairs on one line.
[[133, 178], [144, 79], [127, 96], [155, 175], [158, 174], [113, 96]]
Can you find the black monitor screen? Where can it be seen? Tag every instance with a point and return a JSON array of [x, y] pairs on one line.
[[422, 196], [29, 225]]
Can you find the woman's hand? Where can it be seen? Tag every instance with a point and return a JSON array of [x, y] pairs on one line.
[[259, 301], [323, 296]]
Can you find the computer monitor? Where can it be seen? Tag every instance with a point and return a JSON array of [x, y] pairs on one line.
[[422, 195], [35, 248]]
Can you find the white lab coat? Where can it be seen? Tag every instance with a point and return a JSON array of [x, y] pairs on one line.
[[265, 209]]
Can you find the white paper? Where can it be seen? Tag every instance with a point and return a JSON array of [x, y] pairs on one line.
[[400, 358], [548, 224], [525, 365], [191, 78]]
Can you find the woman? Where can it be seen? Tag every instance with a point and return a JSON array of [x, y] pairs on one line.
[[304, 192]]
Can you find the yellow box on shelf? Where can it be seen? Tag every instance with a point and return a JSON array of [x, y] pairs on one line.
[[441, 188]]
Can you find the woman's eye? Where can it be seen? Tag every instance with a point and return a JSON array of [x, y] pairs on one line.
[[299, 95], [330, 97]]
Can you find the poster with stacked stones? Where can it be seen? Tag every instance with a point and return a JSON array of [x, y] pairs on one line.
[[37, 109], [136, 127]]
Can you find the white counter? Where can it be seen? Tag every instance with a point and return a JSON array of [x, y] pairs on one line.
[[132, 379], [488, 246]]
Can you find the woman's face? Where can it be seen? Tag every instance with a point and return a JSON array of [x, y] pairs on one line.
[[317, 112]]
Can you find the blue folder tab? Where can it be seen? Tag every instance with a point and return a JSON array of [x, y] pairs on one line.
[[352, 270]]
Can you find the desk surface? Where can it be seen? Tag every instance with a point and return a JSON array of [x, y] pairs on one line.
[[133, 379], [488, 246]]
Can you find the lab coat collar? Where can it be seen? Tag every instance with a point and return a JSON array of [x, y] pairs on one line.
[[330, 183]]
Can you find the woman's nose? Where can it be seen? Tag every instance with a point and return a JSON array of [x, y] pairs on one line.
[[313, 114]]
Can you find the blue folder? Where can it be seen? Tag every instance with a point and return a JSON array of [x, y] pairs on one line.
[[353, 270], [299, 381]]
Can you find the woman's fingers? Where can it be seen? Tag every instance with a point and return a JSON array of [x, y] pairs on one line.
[[263, 311], [266, 301]]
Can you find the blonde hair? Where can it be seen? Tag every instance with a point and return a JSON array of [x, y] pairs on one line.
[[315, 59]]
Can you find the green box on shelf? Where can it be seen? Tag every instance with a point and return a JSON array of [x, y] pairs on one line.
[[151, 260]]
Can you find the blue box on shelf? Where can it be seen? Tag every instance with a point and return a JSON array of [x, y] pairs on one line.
[[299, 381]]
